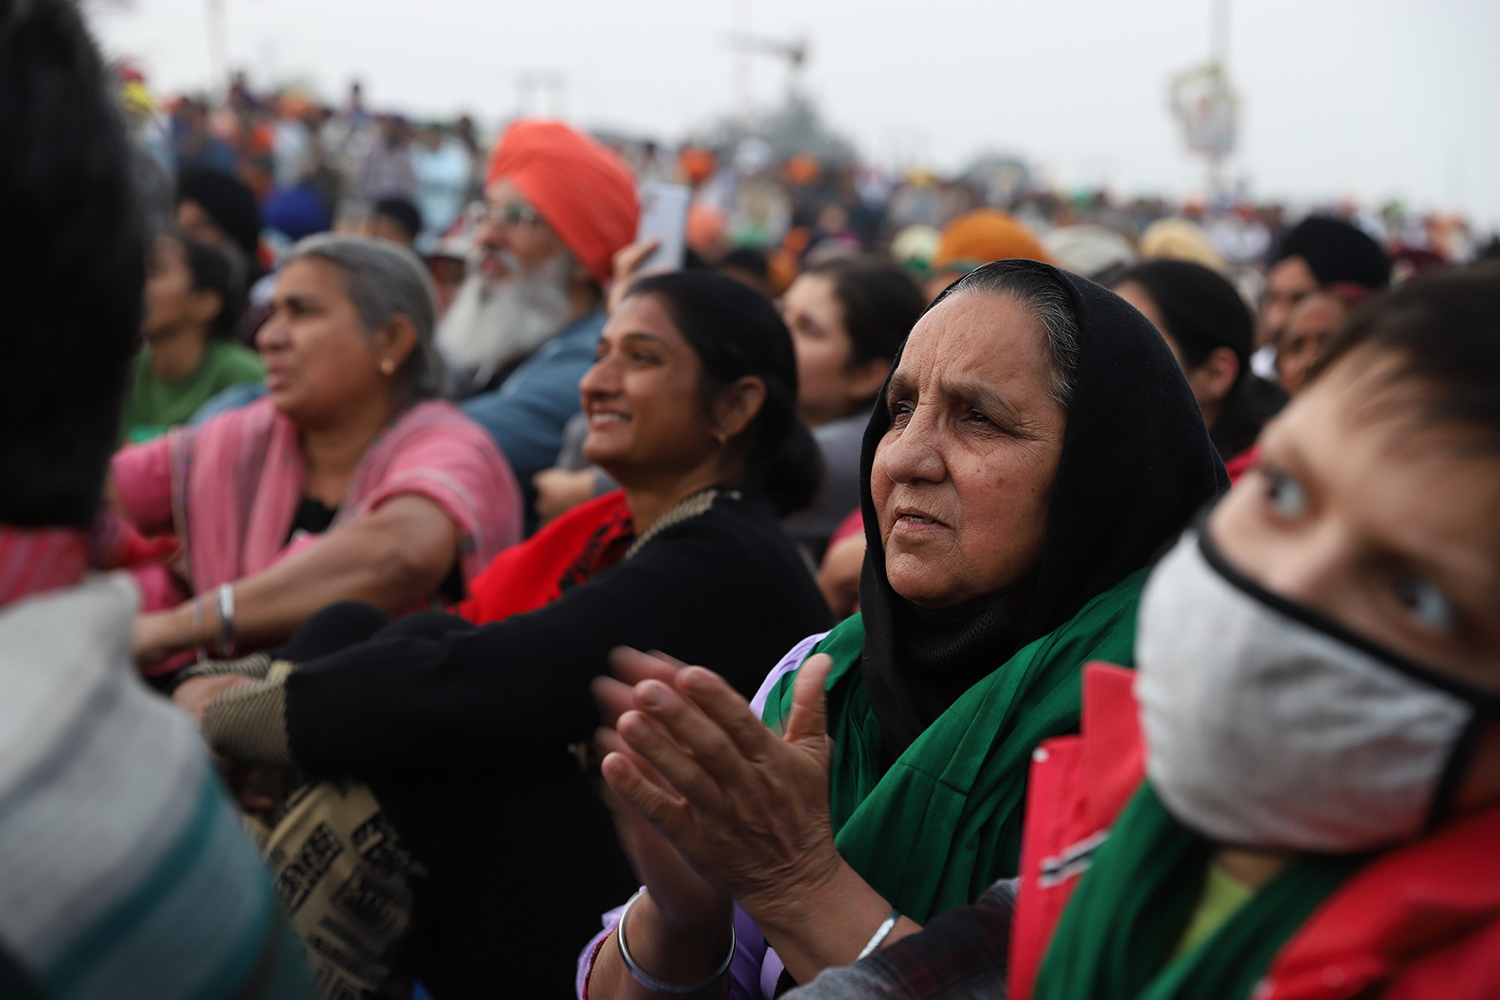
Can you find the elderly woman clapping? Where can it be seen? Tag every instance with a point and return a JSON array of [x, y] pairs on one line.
[[347, 482], [1034, 448]]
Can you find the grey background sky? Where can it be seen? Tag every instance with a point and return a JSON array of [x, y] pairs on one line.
[[1361, 98]]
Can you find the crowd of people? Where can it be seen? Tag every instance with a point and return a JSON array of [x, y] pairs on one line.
[[928, 589]]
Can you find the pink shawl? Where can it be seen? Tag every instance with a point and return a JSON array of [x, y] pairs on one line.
[[230, 489]]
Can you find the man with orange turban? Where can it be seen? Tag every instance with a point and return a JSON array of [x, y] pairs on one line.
[[976, 238], [522, 327]]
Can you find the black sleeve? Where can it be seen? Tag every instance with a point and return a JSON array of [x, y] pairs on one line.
[[481, 697]]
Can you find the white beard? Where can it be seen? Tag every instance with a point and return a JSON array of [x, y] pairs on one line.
[[492, 324]]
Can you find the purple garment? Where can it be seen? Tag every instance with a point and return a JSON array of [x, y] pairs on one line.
[[756, 967]]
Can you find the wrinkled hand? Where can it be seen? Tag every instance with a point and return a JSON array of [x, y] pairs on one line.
[[627, 263], [746, 809], [196, 693], [560, 490], [685, 900]]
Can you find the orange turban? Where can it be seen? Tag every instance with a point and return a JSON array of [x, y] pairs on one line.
[[981, 236], [583, 190]]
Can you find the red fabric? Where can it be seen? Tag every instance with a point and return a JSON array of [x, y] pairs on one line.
[[1077, 786], [583, 189], [854, 524], [586, 540], [1242, 463], [36, 560], [1420, 921]]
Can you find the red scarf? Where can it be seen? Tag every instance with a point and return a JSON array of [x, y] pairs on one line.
[[36, 560], [571, 550]]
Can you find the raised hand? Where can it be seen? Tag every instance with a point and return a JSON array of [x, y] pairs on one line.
[[748, 810]]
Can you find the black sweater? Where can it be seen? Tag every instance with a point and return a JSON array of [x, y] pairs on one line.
[[724, 589]]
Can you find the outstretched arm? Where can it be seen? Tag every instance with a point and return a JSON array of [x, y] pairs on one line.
[[391, 558]]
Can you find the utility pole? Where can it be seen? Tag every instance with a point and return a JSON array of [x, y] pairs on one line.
[[218, 49]]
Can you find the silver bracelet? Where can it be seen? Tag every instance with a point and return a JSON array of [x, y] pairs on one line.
[[649, 981], [225, 599], [881, 933]]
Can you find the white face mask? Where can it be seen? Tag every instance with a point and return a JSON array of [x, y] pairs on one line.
[[1269, 726]]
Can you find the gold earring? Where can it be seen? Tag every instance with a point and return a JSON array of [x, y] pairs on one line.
[[721, 437], [387, 367]]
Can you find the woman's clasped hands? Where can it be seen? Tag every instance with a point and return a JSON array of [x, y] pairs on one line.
[[711, 804]]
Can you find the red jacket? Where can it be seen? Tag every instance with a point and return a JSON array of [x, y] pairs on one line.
[[1420, 921]]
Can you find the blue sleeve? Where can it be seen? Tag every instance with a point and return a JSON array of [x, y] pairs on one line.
[[527, 413], [231, 398]]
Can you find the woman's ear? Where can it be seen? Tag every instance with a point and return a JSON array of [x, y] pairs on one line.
[[205, 306], [394, 343], [1212, 380], [864, 380], [738, 404]]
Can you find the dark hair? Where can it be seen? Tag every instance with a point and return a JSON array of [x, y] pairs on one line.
[[736, 331], [213, 270], [1046, 295], [1201, 309], [74, 294], [402, 212], [230, 203], [747, 259], [1444, 325], [879, 300], [1334, 251]]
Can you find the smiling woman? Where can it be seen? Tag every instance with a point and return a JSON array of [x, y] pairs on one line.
[[1034, 447], [462, 723]]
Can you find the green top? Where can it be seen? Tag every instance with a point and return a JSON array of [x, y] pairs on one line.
[[1121, 936], [154, 407], [944, 821], [1222, 895]]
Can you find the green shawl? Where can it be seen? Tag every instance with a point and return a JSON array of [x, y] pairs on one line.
[[1116, 938], [933, 831]]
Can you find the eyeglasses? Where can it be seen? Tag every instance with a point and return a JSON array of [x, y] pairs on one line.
[[515, 213]]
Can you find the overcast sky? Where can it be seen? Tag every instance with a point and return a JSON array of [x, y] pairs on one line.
[[1361, 98]]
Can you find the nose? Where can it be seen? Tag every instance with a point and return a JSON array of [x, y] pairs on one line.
[[601, 379], [915, 452], [271, 335], [490, 234], [1312, 568]]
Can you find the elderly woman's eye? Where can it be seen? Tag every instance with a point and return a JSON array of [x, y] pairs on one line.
[[1285, 494], [1427, 605]]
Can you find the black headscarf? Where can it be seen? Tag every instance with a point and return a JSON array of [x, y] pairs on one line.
[[1335, 251], [1136, 464]]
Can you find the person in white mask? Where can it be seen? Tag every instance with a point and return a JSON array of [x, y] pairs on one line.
[[1297, 793]]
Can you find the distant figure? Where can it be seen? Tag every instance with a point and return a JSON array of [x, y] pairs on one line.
[[1312, 256], [193, 298], [976, 238], [1209, 329], [396, 220], [124, 871]]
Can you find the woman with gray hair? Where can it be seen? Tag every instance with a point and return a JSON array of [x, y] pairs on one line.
[[347, 482]]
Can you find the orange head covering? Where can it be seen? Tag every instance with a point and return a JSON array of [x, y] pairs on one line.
[[583, 190], [981, 236]]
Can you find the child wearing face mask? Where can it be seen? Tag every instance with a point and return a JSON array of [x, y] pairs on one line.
[[1297, 793]]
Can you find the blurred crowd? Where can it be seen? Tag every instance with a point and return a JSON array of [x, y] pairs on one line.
[[921, 587]]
